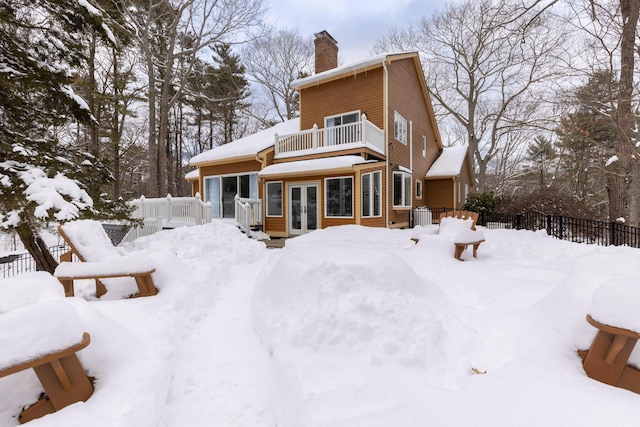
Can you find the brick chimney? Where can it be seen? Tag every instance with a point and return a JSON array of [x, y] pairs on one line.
[[326, 51]]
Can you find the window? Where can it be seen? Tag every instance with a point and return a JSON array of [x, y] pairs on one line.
[[274, 198], [371, 186], [424, 146], [400, 128], [338, 197], [418, 189], [338, 130], [342, 119], [221, 191], [401, 189]]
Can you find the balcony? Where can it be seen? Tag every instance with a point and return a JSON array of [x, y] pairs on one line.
[[337, 138]]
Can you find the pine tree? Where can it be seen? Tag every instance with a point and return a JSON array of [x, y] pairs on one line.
[[587, 136], [230, 89], [41, 44]]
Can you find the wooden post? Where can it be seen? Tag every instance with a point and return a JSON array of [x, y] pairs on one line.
[[314, 136], [168, 207]]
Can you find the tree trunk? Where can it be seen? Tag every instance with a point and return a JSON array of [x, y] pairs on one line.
[[36, 247], [115, 126], [619, 172]]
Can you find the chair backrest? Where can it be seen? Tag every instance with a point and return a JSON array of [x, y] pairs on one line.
[[88, 240], [461, 215]]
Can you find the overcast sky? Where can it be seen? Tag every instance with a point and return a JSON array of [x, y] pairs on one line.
[[355, 24]]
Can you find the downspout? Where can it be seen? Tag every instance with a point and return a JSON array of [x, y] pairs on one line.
[[411, 148], [455, 193], [386, 140]]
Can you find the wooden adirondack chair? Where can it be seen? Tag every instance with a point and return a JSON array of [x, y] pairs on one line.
[[100, 259]]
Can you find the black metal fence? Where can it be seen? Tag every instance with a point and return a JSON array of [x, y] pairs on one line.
[[579, 230], [13, 264]]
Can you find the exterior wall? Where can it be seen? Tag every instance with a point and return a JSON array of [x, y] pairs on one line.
[[278, 226], [363, 92], [438, 193], [406, 97], [231, 168], [195, 187]]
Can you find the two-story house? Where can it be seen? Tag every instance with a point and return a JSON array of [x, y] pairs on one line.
[[365, 150]]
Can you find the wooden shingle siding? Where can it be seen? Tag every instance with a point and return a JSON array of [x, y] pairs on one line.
[[407, 98], [363, 92], [231, 168], [438, 193]]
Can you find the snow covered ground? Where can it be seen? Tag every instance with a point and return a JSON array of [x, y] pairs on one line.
[[347, 326]]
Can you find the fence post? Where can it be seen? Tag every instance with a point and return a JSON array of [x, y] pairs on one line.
[[314, 136], [518, 221], [363, 127], [560, 228], [143, 214], [168, 207], [549, 225], [612, 234]]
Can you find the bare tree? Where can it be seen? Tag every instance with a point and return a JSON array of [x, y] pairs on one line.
[[172, 35], [489, 65], [609, 29], [274, 61]]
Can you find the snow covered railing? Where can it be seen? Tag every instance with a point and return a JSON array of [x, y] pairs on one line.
[[362, 132], [182, 210], [248, 213], [149, 226]]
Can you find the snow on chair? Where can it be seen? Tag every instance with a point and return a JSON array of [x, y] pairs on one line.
[[460, 225], [100, 260], [46, 337]]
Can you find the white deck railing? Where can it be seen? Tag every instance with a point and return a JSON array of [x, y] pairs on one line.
[[149, 226], [167, 212], [336, 136], [180, 210], [248, 213]]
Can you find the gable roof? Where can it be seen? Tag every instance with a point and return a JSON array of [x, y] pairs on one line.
[[449, 163], [350, 69], [371, 63], [248, 146]]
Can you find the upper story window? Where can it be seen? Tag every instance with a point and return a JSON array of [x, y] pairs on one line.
[[424, 146], [342, 129], [342, 119], [400, 128]]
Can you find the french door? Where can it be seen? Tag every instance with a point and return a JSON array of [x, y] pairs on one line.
[[303, 208]]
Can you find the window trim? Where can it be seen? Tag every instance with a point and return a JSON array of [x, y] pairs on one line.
[[357, 112], [399, 127], [371, 199], [418, 189], [403, 190], [266, 198], [326, 199]]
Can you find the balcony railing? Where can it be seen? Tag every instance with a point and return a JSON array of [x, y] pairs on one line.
[[331, 139]]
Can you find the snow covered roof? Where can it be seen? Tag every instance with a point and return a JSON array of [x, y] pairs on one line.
[[349, 69], [247, 146], [449, 163], [327, 163], [194, 174]]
